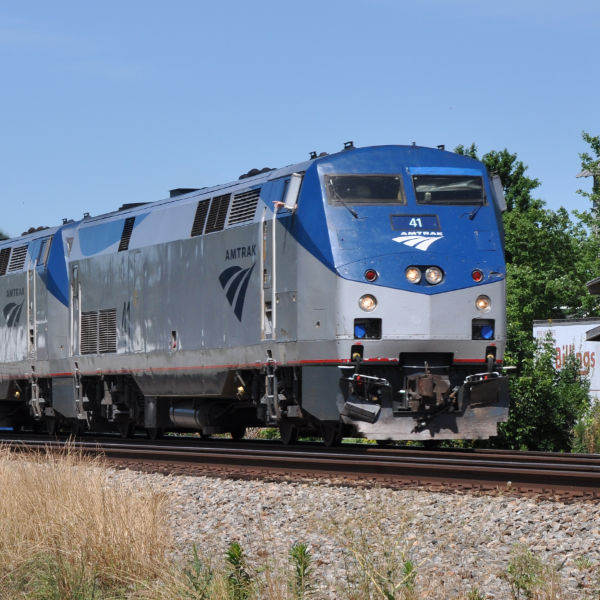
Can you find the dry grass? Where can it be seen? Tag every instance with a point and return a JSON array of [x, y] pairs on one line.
[[67, 531], [64, 527]]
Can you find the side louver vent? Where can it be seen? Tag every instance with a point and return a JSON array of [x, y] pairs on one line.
[[98, 331], [217, 213], [126, 235], [17, 260], [107, 327], [243, 207], [89, 332], [4, 256], [200, 218]]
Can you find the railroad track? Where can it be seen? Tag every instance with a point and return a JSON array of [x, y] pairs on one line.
[[550, 474]]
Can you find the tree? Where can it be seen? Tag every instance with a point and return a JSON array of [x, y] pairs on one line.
[[545, 403], [549, 259], [3, 236]]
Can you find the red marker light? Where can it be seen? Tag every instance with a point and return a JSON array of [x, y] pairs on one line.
[[371, 275], [477, 275]]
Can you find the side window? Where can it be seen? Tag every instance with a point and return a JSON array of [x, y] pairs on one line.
[[44, 252]]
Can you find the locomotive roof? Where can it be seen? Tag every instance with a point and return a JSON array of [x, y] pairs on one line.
[[240, 184]]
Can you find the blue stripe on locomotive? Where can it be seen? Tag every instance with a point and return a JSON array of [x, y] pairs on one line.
[[349, 245]]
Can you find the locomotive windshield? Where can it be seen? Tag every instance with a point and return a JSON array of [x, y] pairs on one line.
[[449, 189], [364, 189]]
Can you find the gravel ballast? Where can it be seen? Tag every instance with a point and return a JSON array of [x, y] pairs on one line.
[[458, 541]]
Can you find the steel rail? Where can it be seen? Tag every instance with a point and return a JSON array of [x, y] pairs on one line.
[[569, 474]]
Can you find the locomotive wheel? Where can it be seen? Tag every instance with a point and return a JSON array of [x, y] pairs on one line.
[[76, 427], [331, 434], [431, 444], [288, 431], [126, 428], [51, 425], [154, 433], [238, 433]]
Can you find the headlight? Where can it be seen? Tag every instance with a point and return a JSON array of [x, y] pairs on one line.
[[483, 303], [367, 302], [434, 275], [413, 274]]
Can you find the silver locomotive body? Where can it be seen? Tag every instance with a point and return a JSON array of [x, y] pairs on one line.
[[281, 299]]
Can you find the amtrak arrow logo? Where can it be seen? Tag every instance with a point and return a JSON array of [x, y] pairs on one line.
[[420, 242], [234, 281], [12, 313]]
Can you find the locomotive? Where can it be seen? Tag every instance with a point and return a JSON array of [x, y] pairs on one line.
[[356, 293]]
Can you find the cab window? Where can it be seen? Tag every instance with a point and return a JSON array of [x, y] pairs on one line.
[[364, 189], [449, 189]]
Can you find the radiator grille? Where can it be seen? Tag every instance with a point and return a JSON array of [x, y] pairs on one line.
[[17, 259], [98, 331], [243, 207], [200, 217], [4, 256], [126, 235], [217, 213]]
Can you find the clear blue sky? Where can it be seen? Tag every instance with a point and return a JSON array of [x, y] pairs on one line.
[[110, 102]]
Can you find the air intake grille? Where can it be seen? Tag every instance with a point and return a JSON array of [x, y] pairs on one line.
[[107, 327], [17, 260], [243, 207], [98, 331], [126, 235], [200, 218], [217, 213], [89, 332], [4, 256]]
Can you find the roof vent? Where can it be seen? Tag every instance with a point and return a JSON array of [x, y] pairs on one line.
[[200, 217], [244, 207], [17, 259], [217, 213], [349, 145]]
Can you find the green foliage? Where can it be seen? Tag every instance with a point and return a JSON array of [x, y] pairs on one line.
[[586, 433], [530, 577], [239, 578], [475, 594], [545, 403], [301, 560], [549, 257], [591, 164], [517, 187], [3, 236], [199, 577]]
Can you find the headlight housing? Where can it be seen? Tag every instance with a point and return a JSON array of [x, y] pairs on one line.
[[368, 302], [434, 275], [413, 274], [483, 303]]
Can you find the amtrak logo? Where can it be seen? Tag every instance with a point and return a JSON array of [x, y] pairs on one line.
[[421, 240], [12, 313], [234, 281]]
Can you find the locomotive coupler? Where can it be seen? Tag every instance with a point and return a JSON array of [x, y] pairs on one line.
[[364, 396]]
